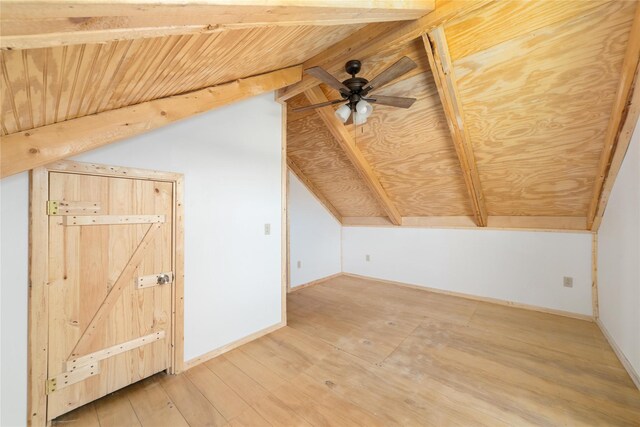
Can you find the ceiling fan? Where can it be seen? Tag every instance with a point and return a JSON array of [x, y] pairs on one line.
[[355, 90]]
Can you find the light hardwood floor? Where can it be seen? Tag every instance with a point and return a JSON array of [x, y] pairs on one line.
[[366, 353]]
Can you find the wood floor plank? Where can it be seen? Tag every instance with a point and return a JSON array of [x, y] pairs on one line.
[[359, 352], [152, 405], [260, 373], [249, 418], [115, 410], [277, 413], [217, 392], [192, 404], [245, 386], [84, 416]]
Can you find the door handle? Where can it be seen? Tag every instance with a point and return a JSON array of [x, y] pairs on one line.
[[163, 279]]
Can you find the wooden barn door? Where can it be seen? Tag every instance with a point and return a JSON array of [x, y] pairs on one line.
[[110, 257]]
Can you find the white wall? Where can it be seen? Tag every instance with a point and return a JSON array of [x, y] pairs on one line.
[[233, 178], [314, 236], [619, 258], [14, 222], [518, 266]]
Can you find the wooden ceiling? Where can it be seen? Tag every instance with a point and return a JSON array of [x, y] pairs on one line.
[[50, 85], [523, 114], [536, 84]]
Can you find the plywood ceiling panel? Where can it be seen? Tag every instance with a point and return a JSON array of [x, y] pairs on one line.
[[508, 19], [537, 108], [314, 150], [44, 86], [412, 149]]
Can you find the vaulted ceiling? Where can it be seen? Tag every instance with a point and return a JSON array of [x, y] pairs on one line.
[[536, 84], [523, 112]]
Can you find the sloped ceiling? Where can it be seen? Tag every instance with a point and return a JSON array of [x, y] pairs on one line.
[[50, 85], [537, 83]]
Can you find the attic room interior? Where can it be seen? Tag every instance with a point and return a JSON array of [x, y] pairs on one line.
[[319, 213]]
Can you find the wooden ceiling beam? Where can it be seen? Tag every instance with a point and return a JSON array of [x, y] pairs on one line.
[[348, 145], [30, 24], [435, 44], [376, 37], [37, 147], [622, 122], [313, 189]]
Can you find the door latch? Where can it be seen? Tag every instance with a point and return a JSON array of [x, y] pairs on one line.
[[163, 279]]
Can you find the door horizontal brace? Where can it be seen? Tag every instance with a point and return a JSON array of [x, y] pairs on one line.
[[71, 377], [112, 219], [82, 361]]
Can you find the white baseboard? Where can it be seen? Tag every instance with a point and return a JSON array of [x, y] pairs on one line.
[[635, 377]]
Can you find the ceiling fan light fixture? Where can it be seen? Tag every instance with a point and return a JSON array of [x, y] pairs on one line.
[[364, 108], [359, 118], [343, 113]]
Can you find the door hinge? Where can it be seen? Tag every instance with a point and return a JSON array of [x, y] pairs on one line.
[[52, 207], [51, 385]]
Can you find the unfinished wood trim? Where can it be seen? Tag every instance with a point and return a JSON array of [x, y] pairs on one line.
[[112, 219], [314, 282], [594, 276], [622, 122], [38, 24], [376, 38], [105, 353], [438, 221], [114, 293], [288, 258], [313, 189], [177, 303], [561, 223], [64, 207], [435, 44], [624, 139], [635, 376], [70, 166], [479, 298], [523, 223], [36, 147], [284, 216], [348, 145], [228, 347], [38, 326]]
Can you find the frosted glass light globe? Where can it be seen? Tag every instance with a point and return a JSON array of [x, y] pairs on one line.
[[359, 118], [343, 113], [364, 108]]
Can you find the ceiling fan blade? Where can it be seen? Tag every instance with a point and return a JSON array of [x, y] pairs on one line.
[[404, 65], [322, 75], [393, 101], [322, 104]]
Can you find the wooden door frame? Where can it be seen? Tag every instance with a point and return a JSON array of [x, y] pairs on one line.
[[38, 337]]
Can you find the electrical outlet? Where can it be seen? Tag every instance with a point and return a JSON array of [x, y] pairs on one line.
[[567, 282], [367, 257], [267, 229], [299, 264]]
